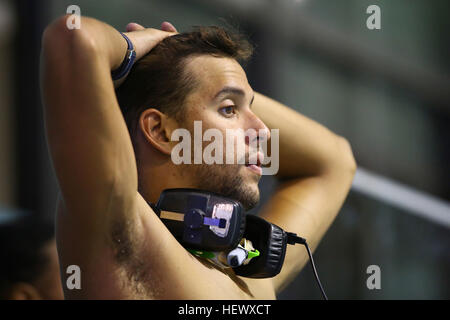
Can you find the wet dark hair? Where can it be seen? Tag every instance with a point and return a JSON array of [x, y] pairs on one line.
[[22, 259], [159, 80]]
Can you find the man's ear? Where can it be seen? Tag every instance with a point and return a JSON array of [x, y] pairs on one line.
[[156, 129], [24, 291]]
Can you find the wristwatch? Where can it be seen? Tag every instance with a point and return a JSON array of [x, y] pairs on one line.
[[127, 61]]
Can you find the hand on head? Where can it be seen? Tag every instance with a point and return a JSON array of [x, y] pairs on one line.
[[165, 26]]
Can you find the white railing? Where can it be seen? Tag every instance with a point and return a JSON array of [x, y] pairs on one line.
[[402, 196]]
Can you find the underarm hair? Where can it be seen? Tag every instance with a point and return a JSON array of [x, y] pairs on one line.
[[126, 255]]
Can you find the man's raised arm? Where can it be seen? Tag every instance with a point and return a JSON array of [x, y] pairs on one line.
[[88, 139], [317, 169], [91, 148], [87, 136]]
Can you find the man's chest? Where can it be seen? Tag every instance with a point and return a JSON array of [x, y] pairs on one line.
[[222, 283]]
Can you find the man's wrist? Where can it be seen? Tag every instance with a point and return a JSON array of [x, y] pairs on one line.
[[127, 62]]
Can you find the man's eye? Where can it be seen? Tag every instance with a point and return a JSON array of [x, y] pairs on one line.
[[227, 111]]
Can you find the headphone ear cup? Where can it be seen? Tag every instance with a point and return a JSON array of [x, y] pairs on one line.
[[243, 226], [242, 223], [271, 241]]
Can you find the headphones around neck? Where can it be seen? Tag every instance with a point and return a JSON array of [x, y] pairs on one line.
[[217, 228]]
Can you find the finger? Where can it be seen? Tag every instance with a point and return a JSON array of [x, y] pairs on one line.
[[167, 26], [132, 26], [146, 39]]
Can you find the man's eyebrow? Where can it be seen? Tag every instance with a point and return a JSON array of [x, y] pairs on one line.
[[232, 90]]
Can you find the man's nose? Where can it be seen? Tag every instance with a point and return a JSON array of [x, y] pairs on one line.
[[262, 131]]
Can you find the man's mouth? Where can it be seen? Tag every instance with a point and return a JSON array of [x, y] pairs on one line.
[[255, 167]]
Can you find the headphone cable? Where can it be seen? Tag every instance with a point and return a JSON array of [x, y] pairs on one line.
[[292, 238]]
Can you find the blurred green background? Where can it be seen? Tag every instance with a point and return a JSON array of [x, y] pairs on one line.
[[387, 91]]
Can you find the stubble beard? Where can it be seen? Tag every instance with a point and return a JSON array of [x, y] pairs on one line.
[[227, 181]]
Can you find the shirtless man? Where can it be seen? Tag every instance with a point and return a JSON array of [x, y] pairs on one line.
[[107, 173]]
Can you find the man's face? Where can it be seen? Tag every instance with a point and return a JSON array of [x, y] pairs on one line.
[[222, 100]]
